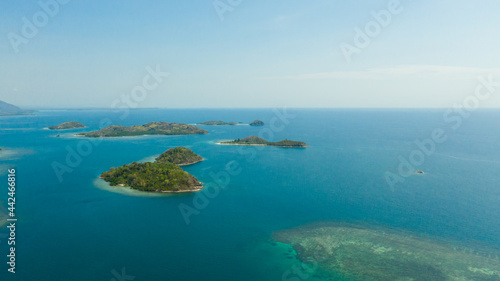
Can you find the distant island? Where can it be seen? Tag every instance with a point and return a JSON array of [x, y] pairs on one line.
[[7, 109], [257, 123], [253, 140], [161, 176], [218, 123], [180, 156], [153, 128], [67, 126]]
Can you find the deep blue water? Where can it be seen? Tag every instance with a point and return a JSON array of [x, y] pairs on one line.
[[73, 230]]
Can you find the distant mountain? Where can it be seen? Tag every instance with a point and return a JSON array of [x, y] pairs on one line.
[[9, 109]]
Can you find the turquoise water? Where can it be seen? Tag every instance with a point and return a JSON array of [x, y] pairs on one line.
[[74, 230]]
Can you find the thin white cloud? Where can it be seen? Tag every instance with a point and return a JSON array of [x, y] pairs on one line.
[[398, 71]]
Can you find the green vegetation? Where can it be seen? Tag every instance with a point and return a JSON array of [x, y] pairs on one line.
[[218, 123], [179, 156], [378, 254], [68, 125], [152, 177], [153, 128], [161, 176], [257, 123], [253, 140]]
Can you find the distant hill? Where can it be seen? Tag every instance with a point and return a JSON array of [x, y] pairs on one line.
[[152, 128], [9, 109]]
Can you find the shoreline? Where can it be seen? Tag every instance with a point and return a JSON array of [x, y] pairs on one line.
[[198, 188], [68, 129], [246, 144], [191, 163], [221, 125]]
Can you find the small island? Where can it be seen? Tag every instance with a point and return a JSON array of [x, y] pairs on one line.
[[253, 140], [218, 123], [257, 123], [153, 128], [179, 156], [164, 175], [67, 126]]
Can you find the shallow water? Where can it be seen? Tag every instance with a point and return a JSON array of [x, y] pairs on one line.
[[373, 253], [72, 230]]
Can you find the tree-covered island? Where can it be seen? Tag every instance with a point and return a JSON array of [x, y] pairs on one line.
[[163, 175], [153, 128], [253, 140], [218, 123], [180, 156], [257, 123], [67, 126]]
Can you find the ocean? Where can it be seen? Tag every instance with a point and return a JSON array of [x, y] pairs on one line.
[[72, 227]]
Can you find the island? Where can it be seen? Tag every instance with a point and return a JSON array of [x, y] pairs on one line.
[[160, 176], [257, 123], [153, 128], [218, 123], [7, 109], [67, 126], [179, 156], [253, 140]]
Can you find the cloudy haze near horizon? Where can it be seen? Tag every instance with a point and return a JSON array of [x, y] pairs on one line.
[[231, 53]]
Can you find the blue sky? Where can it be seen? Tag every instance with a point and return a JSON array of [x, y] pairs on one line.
[[262, 54]]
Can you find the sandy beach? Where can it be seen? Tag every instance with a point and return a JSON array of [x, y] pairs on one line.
[[126, 190]]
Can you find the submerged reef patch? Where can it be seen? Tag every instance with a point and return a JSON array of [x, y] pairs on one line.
[[376, 254]]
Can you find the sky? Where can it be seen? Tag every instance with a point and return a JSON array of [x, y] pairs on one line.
[[241, 53]]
